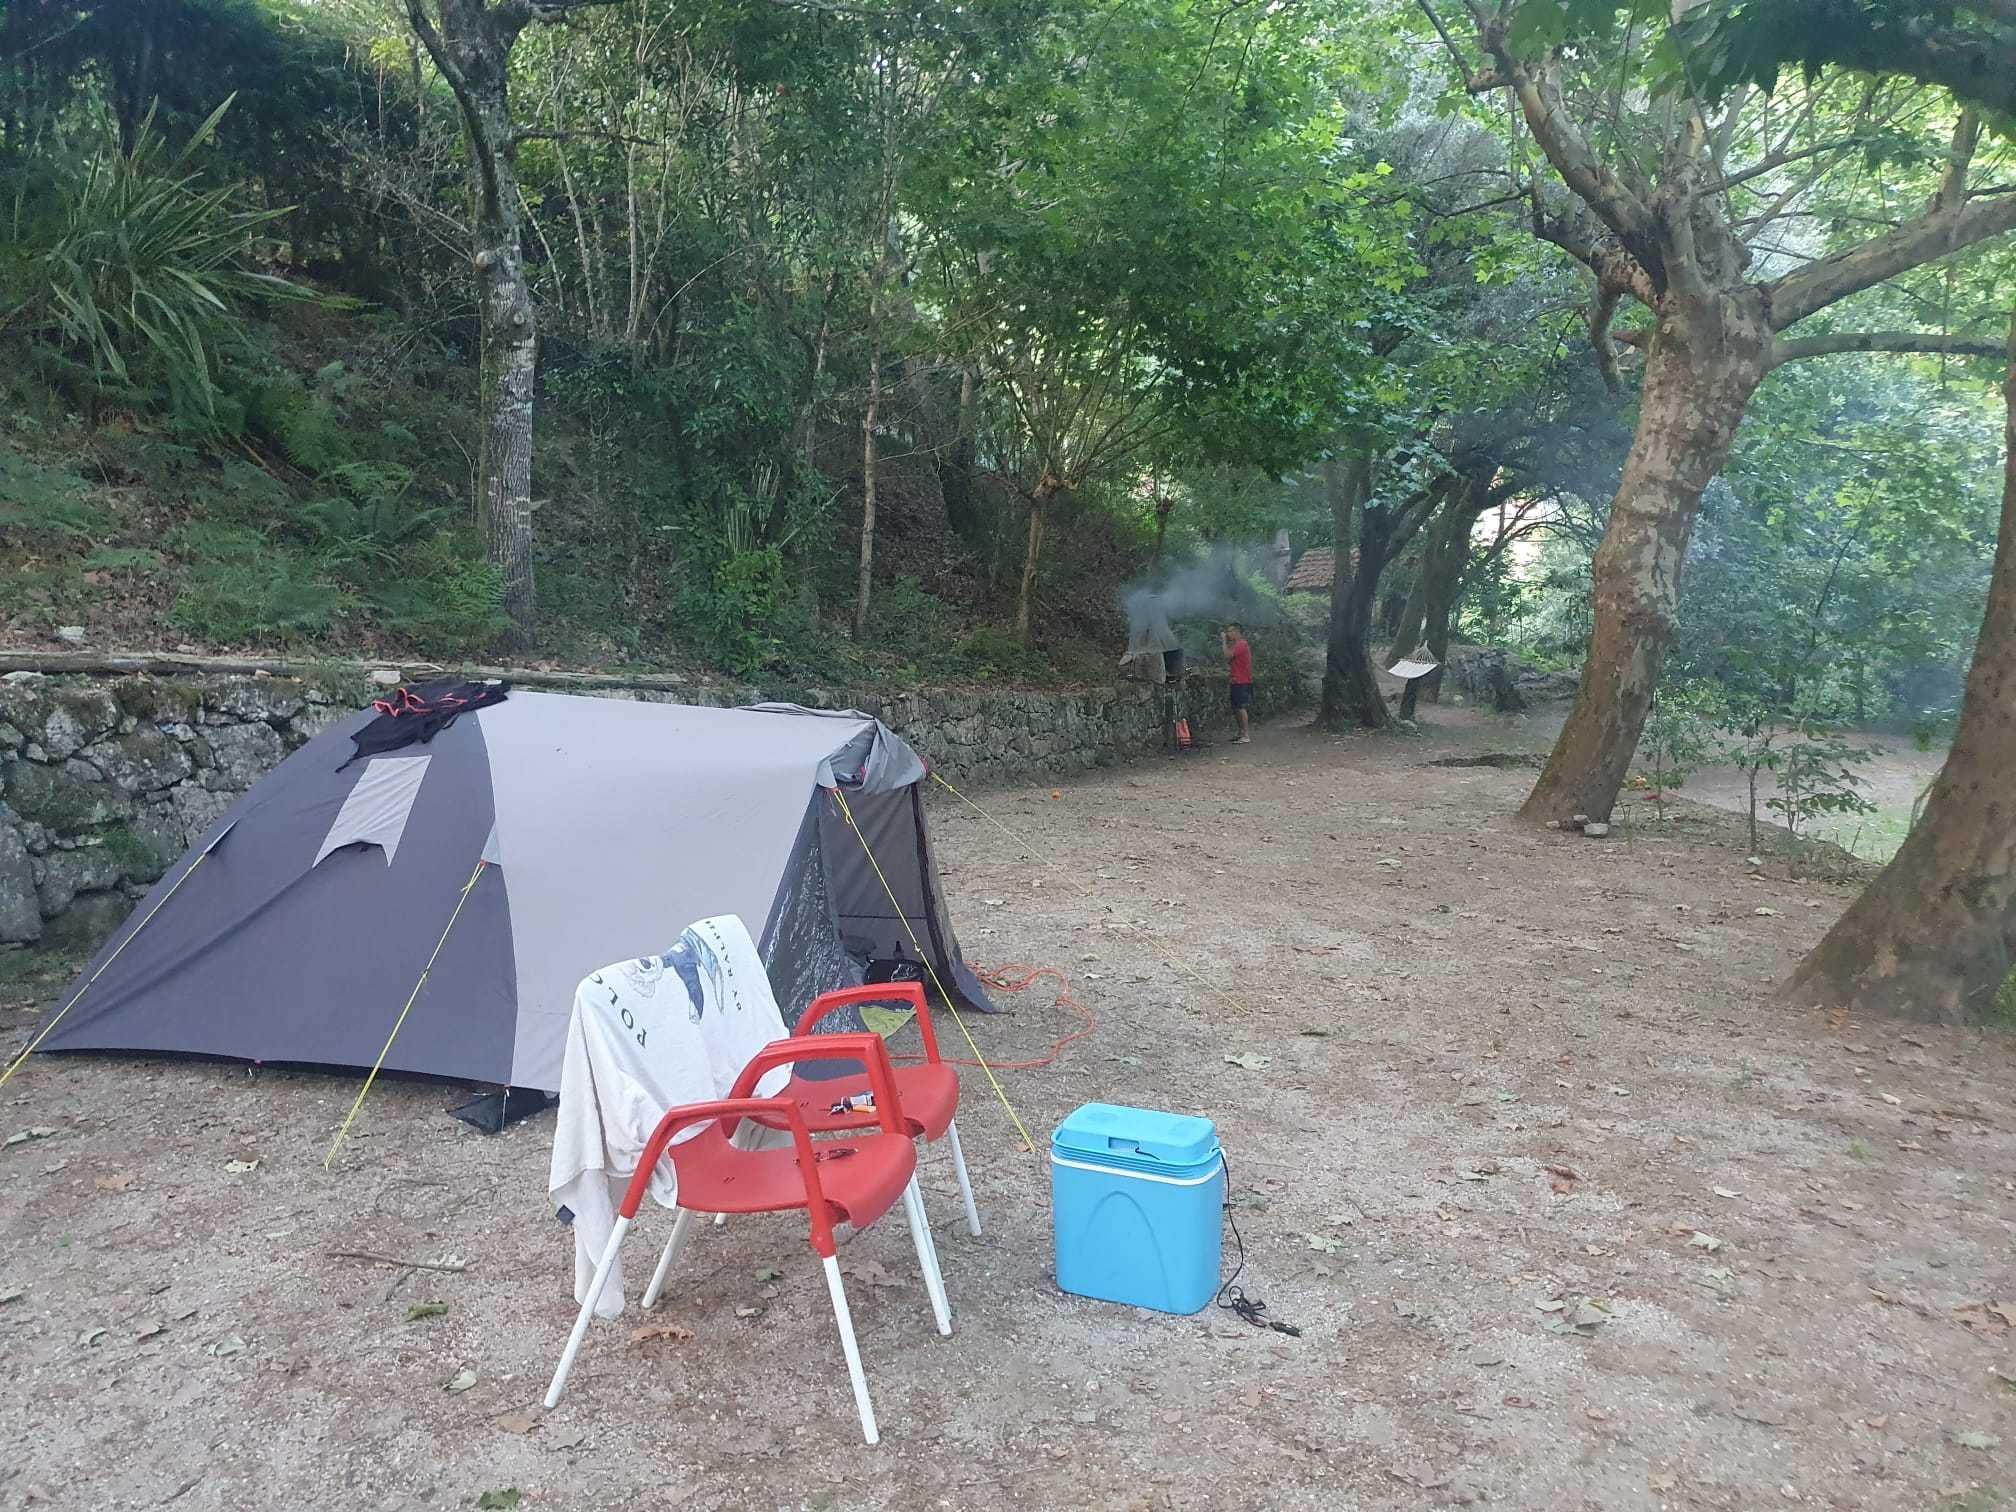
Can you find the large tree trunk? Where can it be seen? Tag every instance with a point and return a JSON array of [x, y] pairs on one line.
[[1351, 698], [1932, 937], [1039, 504], [1707, 356], [1442, 559]]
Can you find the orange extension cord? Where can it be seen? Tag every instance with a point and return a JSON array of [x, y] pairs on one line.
[[1017, 977]]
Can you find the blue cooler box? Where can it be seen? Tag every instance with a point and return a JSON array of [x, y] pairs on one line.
[[1138, 1199]]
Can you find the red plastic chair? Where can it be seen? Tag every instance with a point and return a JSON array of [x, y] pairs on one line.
[[838, 1182], [929, 1089]]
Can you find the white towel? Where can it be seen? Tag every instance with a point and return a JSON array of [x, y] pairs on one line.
[[645, 1036]]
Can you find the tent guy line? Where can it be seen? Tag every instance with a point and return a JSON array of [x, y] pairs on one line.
[[400, 1023], [1028, 1144], [50, 1027]]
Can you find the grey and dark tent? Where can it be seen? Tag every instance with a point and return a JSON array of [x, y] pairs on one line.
[[520, 848]]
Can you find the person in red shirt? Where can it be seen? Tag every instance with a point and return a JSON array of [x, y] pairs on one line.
[[1239, 668]]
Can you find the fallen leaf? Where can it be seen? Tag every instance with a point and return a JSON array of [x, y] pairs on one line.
[[24, 1135], [1894, 1101], [1564, 1179], [1554, 1305], [12, 1293], [1596, 1414], [229, 1345], [516, 1422], [239, 1167], [421, 1310], [152, 1329], [462, 1380], [1706, 1242], [1327, 1244], [119, 1181], [1253, 1399], [1976, 1440], [1471, 1176], [1250, 1062], [874, 1272], [1989, 1319], [650, 1331], [1720, 1273], [91, 1336], [1729, 1192], [1518, 1401], [1911, 1145], [499, 1501], [1765, 913], [1878, 1423], [767, 1273], [1662, 1482], [747, 1312]]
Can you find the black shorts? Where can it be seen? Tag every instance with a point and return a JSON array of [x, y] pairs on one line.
[[1242, 695]]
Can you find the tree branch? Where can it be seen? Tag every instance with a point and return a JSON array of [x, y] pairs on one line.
[[1783, 351], [1546, 113], [1938, 234], [1601, 313]]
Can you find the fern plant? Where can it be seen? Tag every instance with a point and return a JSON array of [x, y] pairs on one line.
[[147, 267]]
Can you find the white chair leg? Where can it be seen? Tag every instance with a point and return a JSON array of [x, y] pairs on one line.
[[680, 1227], [965, 1181], [927, 1255], [602, 1270], [848, 1347]]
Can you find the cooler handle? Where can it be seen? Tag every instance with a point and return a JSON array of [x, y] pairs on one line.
[[1125, 1146]]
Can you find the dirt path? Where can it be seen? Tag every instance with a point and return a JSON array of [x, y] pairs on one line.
[[1451, 1008]]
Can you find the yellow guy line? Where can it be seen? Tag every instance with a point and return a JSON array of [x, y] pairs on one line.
[[1087, 894], [22, 1059], [1028, 1144], [400, 1023]]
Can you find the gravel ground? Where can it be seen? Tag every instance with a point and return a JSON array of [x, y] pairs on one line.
[[1497, 1080]]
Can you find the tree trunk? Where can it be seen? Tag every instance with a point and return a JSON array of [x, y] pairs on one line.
[[1351, 698], [472, 49], [1039, 502], [510, 362], [1164, 504], [955, 476], [865, 582], [1707, 357], [1932, 937]]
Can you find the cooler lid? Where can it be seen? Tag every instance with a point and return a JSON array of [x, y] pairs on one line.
[[1103, 1129]]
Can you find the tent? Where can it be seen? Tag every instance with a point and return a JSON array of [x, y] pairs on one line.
[[524, 846]]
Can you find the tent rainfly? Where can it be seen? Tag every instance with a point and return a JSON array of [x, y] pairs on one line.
[[526, 845]]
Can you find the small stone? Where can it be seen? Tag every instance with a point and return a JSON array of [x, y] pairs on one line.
[[70, 635], [1554, 824], [385, 677], [1595, 831]]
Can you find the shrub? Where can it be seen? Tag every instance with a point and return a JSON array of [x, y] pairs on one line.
[[145, 268]]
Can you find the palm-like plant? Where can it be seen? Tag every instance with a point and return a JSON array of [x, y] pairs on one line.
[[148, 266]]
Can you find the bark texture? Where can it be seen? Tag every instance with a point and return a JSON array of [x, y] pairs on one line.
[[472, 49], [1351, 697], [1933, 936], [1039, 507], [1707, 355]]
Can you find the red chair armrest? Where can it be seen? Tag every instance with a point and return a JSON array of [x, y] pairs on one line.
[[738, 1107], [865, 1049], [875, 992]]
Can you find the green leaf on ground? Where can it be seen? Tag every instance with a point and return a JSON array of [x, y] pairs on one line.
[[421, 1310], [1250, 1062], [499, 1501]]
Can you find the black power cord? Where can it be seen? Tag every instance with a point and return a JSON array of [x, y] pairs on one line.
[[1232, 1297]]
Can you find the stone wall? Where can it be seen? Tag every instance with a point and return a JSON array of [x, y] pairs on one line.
[[105, 781]]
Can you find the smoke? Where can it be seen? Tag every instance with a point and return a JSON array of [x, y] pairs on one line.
[[1219, 584]]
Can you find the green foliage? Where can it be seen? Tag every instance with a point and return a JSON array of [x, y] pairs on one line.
[[40, 500], [1817, 779], [147, 268], [1679, 738]]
